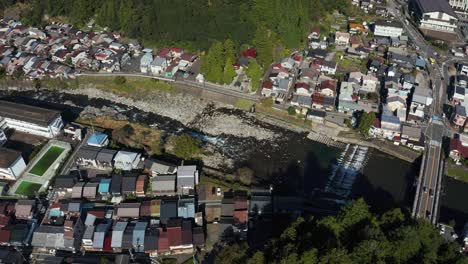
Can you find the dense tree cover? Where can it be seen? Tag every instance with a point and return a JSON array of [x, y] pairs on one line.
[[254, 72], [367, 120], [195, 23], [353, 236], [186, 147]]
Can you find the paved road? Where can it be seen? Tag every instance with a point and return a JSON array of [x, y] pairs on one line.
[[428, 191]]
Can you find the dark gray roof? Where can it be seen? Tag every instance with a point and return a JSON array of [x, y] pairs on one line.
[[8, 156], [317, 113], [106, 155], [460, 110], [389, 23], [168, 209], [64, 181], [27, 113], [128, 184], [88, 152], [428, 6], [116, 183], [151, 238]]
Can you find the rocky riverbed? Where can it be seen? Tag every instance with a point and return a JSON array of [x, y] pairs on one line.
[[230, 135]]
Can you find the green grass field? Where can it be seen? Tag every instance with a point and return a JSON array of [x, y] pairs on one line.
[[46, 161], [27, 188], [458, 173]]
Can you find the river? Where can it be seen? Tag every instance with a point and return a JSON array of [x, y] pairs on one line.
[[294, 164]]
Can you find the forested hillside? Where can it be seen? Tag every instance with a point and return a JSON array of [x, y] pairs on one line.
[[194, 24], [353, 236]]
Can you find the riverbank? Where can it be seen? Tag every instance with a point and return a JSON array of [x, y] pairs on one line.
[[198, 112]]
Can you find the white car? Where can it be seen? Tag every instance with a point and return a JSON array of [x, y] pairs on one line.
[[218, 191]]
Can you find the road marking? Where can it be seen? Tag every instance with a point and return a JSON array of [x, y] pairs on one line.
[[430, 183]]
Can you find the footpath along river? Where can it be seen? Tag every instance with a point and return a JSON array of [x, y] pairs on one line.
[[294, 164]]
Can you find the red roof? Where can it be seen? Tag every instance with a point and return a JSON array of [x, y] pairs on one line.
[[302, 85], [277, 66], [4, 220], [298, 57], [328, 84], [250, 53], [188, 57], [186, 232], [377, 123], [163, 240], [175, 236], [178, 50], [316, 30], [5, 235], [240, 217], [107, 242], [164, 52], [354, 40], [455, 144], [267, 85], [98, 213], [55, 205]]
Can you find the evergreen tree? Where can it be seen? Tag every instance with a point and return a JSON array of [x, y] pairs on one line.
[[229, 72], [254, 72]]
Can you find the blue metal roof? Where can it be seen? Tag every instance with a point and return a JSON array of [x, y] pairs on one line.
[[97, 139], [104, 185], [139, 236]]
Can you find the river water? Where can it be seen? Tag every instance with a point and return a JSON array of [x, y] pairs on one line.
[[295, 165]]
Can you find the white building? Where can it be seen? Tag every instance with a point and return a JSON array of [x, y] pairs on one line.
[[12, 164], [3, 138], [30, 119], [391, 29], [125, 160], [145, 62], [435, 15], [159, 65]]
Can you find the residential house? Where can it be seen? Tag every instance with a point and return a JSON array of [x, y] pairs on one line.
[[316, 115], [128, 185], [168, 210], [186, 208], [342, 38], [138, 241], [164, 185], [267, 87], [287, 63], [117, 236], [98, 140], [126, 160], [158, 65], [459, 116], [104, 188], [90, 190], [329, 67], [24, 209], [12, 164], [302, 100], [347, 99], [187, 178], [369, 84], [140, 186], [77, 190], [128, 210], [116, 184], [157, 167], [145, 62], [314, 33], [459, 147], [390, 125]]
